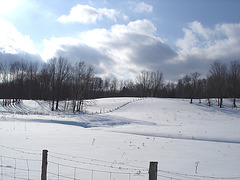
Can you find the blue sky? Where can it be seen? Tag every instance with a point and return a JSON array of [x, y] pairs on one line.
[[122, 38]]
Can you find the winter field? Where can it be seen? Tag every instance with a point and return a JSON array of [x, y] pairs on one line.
[[116, 138]]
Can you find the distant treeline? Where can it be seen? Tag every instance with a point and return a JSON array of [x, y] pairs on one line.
[[59, 80]]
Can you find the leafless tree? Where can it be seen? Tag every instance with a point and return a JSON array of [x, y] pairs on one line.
[[156, 82], [5, 73], [106, 84], [32, 70], [82, 75], [234, 80], [194, 84], [218, 73], [143, 82], [187, 86], [62, 73], [149, 83], [1, 72], [45, 82], [113, 85], [170, 88], [51, 70]]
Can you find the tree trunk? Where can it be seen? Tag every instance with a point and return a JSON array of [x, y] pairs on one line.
[[191, 101], [221, 102], [234, 102], [209, 102], [53, 105], [78, 105], [74, 105], [57, 104]]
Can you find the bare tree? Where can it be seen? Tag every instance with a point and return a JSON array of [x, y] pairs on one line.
[[201, 91], [170, 88], [143, 81], [62, 72], [129, 88], [149, 83], [187, 86], [52, 75], [82, 75], [193, 84], [106, 84], [45, 82], [1, 72], [5, 73], [156, 82], [234, 80], [32, 70], [113, 85], [180, 88], [14, 71], [218, 73]]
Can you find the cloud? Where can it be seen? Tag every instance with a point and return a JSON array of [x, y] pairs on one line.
[[142, 7], [13, 41], [8, 6], [56, 44], [88, 14], [220, 42], [125, 50], [75, 50], [90, 55], [133, 47], [22, 56], [200, 46], [14, 45], [122, 51]]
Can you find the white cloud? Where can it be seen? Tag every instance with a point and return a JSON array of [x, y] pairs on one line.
[[200, 46], [8, 6], [125, 50], [122, 51], [144, 27], [12, 41], [132, 47], [198, 29], [88, 14], [221, 42], [75, 50], [55, 44], [143, 7]]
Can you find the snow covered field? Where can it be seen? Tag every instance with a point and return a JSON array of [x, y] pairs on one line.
[[118, 137]]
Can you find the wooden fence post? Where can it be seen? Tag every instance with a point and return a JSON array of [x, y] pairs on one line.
[[153, 170], [44, 165]]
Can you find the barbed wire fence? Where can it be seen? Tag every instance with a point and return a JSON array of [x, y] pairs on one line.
[[25, 165], [105, 110], [28, 165], [75, 167]]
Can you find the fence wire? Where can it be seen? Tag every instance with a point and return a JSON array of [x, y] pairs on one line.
[[27, 166], [23, 164], [19, 168], [91, 170]]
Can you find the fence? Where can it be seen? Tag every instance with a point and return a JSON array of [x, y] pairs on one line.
[[105, 110], [32, 165], [91, 168]]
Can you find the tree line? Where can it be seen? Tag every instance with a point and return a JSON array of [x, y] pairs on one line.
[[222, 81], [58, 80]]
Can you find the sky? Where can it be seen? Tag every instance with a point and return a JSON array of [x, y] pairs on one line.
[[122, 38]]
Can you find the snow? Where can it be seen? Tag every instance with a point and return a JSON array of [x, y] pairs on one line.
[[116, 138]]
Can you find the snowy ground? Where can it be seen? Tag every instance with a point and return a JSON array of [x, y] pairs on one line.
[[118, 137]]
